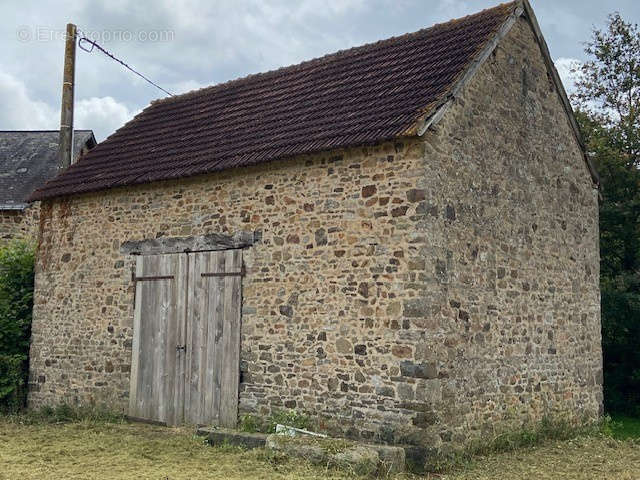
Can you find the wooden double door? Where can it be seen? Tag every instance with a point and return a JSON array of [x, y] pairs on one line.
[[186, 338]]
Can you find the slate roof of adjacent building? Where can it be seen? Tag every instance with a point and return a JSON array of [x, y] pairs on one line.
[[28, 158], [362, 95]]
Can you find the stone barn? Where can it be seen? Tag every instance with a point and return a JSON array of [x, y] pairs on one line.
[[400, 239], [28, 158]]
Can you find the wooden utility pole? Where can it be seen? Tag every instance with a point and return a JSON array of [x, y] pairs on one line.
[[66, 114]]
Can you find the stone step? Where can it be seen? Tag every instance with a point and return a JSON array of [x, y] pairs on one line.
[[345, 454], [359, 458], [220, 436]]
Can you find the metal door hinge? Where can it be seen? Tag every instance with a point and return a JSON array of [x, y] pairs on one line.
[[241, 273]]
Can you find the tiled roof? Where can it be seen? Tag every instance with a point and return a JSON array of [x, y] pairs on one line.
[[362, 95], [28, 158]]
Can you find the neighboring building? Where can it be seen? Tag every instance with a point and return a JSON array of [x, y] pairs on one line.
[[28, 158], [400, 239]]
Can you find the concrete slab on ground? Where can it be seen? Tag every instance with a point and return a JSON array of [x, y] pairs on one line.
[[219, 436]]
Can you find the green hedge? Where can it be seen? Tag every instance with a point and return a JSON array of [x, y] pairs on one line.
[[620, 335], [13, 372], [16, 303]]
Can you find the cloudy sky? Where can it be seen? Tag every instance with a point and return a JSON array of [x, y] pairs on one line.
[[187, 44]]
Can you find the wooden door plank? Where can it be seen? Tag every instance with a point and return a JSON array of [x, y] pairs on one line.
[[146, 334], [188, 354], [135, 348], [178, 337], [167, 404], [145, 383], [216, 319], [203, 334], [162, 307], [207, 364], [231, 340], [196, 339], [166, 359], [155, 304]]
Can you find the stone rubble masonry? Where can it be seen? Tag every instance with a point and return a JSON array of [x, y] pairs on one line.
[[16, 224], [420, 291]]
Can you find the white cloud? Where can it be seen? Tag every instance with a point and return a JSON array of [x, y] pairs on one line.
[[186, 86], [566, 69], [212, 42], [449, 9], [103, 115], [227, 39], [19, 110]]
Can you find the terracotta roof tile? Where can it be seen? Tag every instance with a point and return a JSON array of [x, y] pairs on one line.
[[362, 95]]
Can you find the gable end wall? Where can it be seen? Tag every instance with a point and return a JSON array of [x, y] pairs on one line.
[[511, 309]]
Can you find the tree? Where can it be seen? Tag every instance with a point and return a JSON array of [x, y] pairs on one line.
[[608, 112], [608, 85], [16, 303]]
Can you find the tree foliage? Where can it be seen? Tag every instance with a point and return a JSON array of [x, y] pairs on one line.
[[608, 101], [16, 302], [608, 85]]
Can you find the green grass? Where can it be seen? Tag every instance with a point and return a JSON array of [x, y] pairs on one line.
[[291, 418], [64, 413], [624, 427], [526, 437]]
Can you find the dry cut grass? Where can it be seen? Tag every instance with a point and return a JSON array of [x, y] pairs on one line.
[[594, 457], [95, 450], [131, 451]]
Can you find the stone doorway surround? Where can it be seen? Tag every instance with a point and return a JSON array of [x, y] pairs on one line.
[[201, 243]]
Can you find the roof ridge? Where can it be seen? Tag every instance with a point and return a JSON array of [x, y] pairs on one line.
[[45, 131], [323, 58]]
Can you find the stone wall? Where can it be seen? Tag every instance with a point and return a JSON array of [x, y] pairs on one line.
[[19, 223], [416, 291], [510, 302]]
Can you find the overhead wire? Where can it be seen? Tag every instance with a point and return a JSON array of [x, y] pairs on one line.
[[83, 38]]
